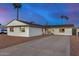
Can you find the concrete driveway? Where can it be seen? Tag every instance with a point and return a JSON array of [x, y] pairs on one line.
[[51, 46]]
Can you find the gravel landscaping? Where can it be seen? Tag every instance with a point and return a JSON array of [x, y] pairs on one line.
[[7, 41], [44, 46], [74, 48]]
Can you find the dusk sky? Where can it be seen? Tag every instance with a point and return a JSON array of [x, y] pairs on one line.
[[41, 13]]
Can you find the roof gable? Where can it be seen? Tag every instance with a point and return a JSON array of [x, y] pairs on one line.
[[16, 23], [22, 23]]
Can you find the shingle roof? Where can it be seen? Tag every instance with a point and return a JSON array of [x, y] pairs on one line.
[[29, 23], [66, 25], [49, 26]]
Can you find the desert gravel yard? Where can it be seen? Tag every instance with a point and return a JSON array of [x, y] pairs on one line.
[[74, 48], [49, 46], [7, 41]]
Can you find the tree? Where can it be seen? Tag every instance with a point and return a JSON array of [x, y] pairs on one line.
[[17, 6], [64, 17]]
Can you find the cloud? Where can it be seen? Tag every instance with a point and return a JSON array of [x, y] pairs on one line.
[[3, 10]]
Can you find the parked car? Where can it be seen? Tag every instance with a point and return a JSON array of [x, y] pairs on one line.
[[3, 31]]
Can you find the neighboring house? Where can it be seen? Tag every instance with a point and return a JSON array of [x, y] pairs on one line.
[[3, 29], [77, 31], [61, 29], [23, 29]]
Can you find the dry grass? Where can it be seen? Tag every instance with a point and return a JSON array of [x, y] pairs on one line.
[[7, 41]]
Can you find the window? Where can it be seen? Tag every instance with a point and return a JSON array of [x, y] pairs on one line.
[[11, 29], [22, 29], [61, 29]]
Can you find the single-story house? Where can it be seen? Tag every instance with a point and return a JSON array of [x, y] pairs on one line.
[[66, 29], [27, 29], [23, 28]]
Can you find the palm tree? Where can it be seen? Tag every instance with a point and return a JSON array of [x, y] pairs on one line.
[[17, 6], [64, 17]]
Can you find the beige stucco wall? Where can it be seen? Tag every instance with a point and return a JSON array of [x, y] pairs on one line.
[[17, 32], [35, 31], [55, 31], [15, 22], [29, 31]]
